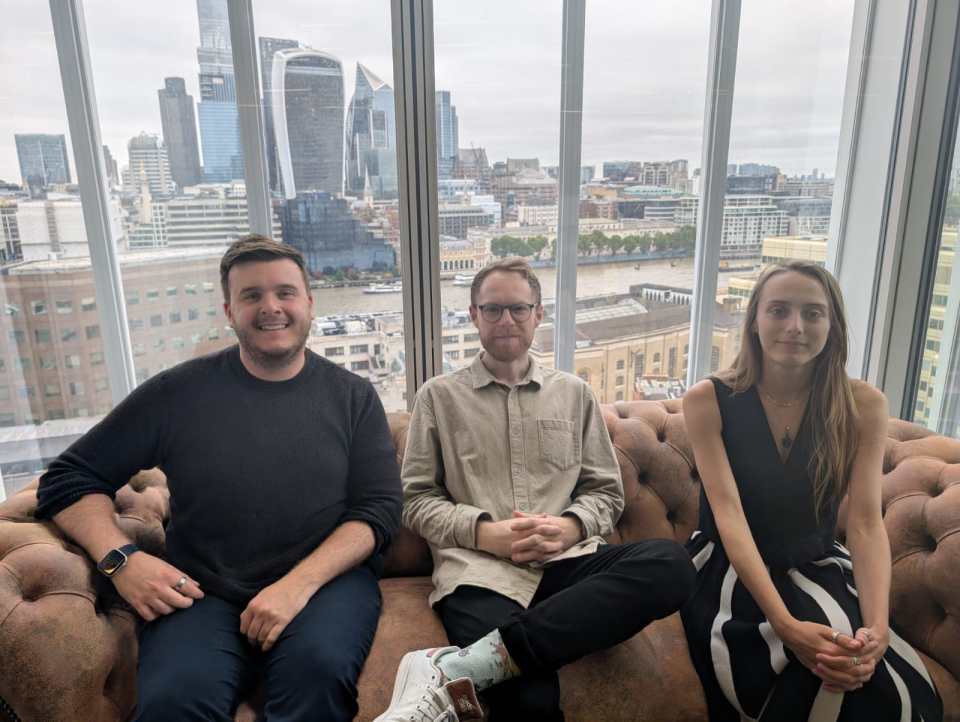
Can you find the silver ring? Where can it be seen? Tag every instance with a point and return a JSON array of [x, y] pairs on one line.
[[856, 661], [835, 635], [180, 583]]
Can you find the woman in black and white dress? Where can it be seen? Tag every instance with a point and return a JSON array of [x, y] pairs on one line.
[[785, 623]]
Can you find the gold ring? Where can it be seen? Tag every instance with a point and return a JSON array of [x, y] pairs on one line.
[[856, 661], [180, 583], [835, 635]]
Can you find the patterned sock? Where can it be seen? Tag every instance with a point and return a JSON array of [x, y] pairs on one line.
[[487, 662]]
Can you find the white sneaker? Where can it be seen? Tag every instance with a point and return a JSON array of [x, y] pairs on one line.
[[422, 692]]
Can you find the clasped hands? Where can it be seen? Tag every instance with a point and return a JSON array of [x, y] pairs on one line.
[[155, 588], [844, 663], [526, 537]]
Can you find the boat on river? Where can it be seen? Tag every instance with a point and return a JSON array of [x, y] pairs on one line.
[[393, 287]]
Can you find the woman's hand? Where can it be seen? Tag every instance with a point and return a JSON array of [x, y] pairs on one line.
[[815, 644], [873, 641]]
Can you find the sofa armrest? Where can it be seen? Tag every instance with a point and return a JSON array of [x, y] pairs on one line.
[[67, 639]]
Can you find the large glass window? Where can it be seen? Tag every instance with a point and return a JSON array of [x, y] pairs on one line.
[[498, 138], [642, 131], [937, 404], [784, 140], [175, 166], [326, 76], [46, 289]]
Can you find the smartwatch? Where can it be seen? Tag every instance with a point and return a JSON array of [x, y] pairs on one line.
[[115, 559]]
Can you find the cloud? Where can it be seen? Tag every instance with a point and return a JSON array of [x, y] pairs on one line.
[[644, 72]]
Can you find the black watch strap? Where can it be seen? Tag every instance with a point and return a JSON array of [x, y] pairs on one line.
[[115, 559]]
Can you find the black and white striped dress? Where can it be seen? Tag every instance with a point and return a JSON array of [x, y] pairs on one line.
[[746, 671]]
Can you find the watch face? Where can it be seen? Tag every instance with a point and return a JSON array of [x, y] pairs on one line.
[[111, 563]]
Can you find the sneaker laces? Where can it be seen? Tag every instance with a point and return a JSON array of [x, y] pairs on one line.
[[431, 707]]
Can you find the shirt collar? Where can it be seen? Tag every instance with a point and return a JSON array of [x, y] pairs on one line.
[[481, 376]]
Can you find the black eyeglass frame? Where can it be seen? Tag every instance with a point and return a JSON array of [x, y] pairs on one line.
[[514, 310]]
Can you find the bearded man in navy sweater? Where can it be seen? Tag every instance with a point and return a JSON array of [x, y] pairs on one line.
[[284, 492]]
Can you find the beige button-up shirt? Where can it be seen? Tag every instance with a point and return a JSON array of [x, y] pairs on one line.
[[477, 449]]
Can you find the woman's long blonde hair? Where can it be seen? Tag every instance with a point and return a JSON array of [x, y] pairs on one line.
[[831, 406]]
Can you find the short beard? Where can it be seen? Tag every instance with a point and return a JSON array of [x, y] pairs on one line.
[[272, 360]]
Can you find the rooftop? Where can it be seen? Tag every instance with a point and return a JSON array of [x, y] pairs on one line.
[[126, 259]]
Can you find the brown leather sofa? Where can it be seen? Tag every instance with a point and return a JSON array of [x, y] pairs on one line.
[[68, 648]]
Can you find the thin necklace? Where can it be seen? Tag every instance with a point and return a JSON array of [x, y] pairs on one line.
[[783, 404], [786, 441]]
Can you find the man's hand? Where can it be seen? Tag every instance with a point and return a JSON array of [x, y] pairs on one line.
[[150, 586], [495, 537], [539, 537], [269, 613]]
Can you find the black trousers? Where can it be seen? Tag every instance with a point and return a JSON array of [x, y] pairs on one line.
[[194, 663], [582, 605]]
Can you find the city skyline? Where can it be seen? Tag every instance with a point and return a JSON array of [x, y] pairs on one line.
[[627, 114]]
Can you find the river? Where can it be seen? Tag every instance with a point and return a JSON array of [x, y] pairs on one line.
[[592, 280]]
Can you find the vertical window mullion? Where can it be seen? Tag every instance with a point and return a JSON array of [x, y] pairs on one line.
[[571, 137], [70, 35], [414, 94], [721, 73], [252, 138]]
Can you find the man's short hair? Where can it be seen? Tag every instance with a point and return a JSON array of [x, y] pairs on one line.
[[507, 265], [255, 247]]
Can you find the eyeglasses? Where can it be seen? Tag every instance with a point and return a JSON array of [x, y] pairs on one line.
[[520, 312]]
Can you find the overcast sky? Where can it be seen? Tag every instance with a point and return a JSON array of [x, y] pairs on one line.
[[644, 75]]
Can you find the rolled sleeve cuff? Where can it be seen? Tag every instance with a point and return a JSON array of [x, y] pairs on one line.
[[382, 536], [588, 520], [465, 526], [52, 500]]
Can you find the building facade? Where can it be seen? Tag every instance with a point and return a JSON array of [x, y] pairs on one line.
[[206, 215], [179, 124], [456, 219], [448, 134], [217, 111], [43, 159], [54, 227], [149, 165], [330, 237], [268, 48], [308, 121], [371, 158], [51, 348]]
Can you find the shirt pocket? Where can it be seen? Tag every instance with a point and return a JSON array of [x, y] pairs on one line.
[[559, 443]]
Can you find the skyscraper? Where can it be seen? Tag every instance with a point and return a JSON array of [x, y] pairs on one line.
[[307, 87], [180, 132], [219, 124], [371, 130], [268, 47], [148, 164], [110, 164], [215, 54], [448, 134], [43, 159]]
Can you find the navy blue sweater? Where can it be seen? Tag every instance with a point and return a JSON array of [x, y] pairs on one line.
[[259, 472]]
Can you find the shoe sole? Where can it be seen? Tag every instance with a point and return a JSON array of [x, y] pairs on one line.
[[403, 671]]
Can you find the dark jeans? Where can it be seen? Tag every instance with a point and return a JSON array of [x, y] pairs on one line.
[[194, 663], [582, 605]]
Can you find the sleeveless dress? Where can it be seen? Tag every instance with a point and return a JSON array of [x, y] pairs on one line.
[[746, 671]]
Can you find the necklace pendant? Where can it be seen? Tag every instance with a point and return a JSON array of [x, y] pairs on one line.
[[786, 441]]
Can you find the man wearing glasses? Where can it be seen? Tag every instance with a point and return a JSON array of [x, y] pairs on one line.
[[510, 476]]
